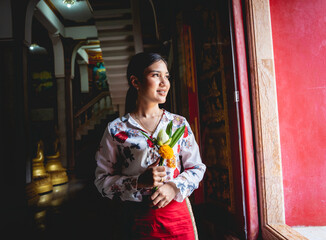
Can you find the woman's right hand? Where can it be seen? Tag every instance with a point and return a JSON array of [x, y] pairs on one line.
[[152, 177]]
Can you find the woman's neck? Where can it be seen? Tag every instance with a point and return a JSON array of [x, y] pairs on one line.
[[147, 110], [148, 117]]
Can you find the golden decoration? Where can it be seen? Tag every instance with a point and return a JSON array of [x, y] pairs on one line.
[[32, 194], [54, 167], [41, 178], [43, 184]]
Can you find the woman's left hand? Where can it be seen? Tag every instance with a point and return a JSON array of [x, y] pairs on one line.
[[164, 194]]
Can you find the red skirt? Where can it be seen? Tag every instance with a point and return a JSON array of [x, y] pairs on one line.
[[174, 221]]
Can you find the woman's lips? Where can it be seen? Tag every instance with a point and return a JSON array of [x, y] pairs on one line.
[[161, 92]]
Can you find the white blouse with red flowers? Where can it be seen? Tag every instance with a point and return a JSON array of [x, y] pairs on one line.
[[124, 153]]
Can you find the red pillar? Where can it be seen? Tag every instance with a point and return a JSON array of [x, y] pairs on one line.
[[249, 176]]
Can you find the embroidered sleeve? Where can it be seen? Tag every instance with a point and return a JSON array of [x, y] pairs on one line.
[[194, 168], [108, 178]]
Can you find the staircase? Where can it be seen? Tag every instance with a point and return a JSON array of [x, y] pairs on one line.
[[120, 38], [90, 123], [87, 146]]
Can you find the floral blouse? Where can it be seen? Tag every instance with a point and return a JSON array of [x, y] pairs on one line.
[[124, 153]]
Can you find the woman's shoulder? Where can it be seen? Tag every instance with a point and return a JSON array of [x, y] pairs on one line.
[[176, 118], [118, 123]]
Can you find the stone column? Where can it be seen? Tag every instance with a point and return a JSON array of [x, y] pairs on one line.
[[59, 72], [62, 122], [83, 69]]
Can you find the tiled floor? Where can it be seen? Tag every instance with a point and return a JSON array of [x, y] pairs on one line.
[[312, 233]]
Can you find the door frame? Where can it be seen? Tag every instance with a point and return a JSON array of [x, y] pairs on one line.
[[242, 100], [266, 123]]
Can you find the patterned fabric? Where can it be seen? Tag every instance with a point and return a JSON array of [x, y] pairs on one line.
[[124, 153]]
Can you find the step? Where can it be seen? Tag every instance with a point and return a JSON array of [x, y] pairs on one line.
[[119, 93], [124, 52], [115, 85], [111, 12], [116, 45], [119, 100], [116, 70], [115, 35], [117, 48], [119, 88], [115, 58], [117, 81], [118, 53], [116, 63], [117, 78], [116, 75], [112, 24], [112, 43]]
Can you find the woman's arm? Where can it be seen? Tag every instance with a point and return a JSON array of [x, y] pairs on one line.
[[108, 178], [194, 168]]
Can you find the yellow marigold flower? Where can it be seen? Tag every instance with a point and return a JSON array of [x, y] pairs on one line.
[[171, 162], [166, 152]]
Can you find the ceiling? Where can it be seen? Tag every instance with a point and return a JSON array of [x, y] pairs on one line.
[[80, 13]]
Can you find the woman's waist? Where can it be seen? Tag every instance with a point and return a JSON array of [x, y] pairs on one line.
[[146, 208]]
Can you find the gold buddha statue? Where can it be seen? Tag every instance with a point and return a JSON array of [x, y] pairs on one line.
[[54, 167], [41, 178]]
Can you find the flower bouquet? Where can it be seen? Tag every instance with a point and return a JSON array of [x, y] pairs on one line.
[[164, 142]]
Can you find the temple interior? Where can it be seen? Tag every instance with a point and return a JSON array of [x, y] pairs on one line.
[[63, 65]]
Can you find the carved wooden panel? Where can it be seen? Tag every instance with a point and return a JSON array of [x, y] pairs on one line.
[[212, 65]]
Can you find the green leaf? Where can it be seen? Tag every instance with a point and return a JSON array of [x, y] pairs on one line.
[[147, 137], [169, 129], [176, 136], [161, 161]]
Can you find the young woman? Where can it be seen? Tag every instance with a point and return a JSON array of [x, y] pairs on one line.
[[127, 161]]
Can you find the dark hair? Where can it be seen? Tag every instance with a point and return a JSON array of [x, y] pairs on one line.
[[137, 65]]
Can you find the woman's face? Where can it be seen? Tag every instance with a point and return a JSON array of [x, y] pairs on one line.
[[155, 85]]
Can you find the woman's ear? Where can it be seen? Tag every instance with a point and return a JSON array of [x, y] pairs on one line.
[[134, 81]]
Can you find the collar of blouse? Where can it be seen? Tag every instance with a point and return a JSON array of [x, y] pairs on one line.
[[133, 122]]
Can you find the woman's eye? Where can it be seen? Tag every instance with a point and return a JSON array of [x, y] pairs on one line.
[[155, 75]]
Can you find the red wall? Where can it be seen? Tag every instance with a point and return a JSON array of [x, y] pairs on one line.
[[299, 39]]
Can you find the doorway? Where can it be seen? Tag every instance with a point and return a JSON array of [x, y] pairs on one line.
[[207, 87]]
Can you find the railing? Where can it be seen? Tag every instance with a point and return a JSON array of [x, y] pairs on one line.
[[91, 113]]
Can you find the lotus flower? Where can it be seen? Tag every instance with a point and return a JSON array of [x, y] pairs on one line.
[[163, 138]]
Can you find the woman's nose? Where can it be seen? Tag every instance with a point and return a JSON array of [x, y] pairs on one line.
[[162, 82]]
